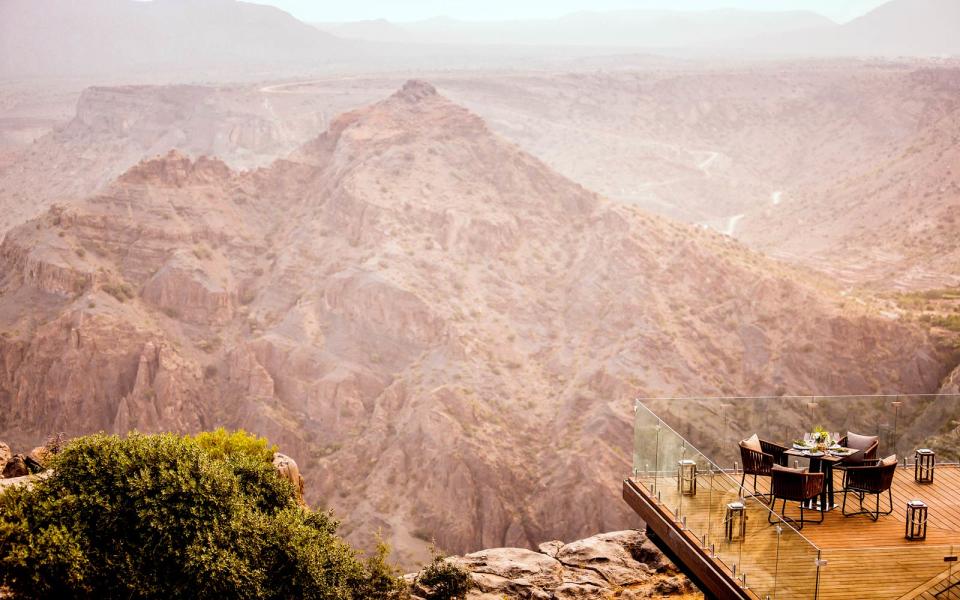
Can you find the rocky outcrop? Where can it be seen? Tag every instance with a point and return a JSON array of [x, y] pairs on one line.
[[5, 456], [16, 467], [19, 466], [951, 384], [288, 469], [183, 288], [622, 564]]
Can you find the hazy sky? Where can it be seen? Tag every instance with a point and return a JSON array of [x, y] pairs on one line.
[[411, 10]]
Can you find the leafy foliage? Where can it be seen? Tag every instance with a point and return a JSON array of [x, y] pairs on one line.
[[221, 444], [164, 516], [443, 580]]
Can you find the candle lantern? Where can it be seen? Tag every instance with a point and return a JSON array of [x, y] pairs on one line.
[[926, 461], [916, 520], [687, 477], [735, 522]]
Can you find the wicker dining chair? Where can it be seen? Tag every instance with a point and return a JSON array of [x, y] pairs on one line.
[[865, 447], [864, 452], [795, 485], [870, 478], [758, 458]]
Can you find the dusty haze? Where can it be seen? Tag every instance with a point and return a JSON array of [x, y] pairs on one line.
[[435, 261]]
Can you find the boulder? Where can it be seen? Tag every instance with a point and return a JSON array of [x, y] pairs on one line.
[[39, 456], [622, 564], [288, 469], [16, 467], [610, 555], [5, 455]]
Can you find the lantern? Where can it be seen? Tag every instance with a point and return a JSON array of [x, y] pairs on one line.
[[926, 461], [687, 477], [735, 522], [916, 520]]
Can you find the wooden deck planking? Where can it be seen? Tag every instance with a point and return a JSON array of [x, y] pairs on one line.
[[865, 559]]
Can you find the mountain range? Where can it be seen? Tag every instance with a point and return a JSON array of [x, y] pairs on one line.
[[186, 40], [409, 284], [68, 39], [896, 28], [610, 29]]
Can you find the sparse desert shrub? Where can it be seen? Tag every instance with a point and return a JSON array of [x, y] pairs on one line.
[[210, 346], [422, 534], [121, 291], [951, 322], [202, 252], [246, 296], [171, 312], [165, 516], [443, 580]]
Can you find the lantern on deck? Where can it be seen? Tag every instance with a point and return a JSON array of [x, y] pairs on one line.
[[916, 520], [687, 477], [926, 461], [735, 522]]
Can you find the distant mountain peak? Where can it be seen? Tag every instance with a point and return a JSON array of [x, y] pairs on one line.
[[415, 90]]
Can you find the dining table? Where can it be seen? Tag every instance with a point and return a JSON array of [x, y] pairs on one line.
[[822, 463]]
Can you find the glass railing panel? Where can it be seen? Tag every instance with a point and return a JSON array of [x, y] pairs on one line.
[[777, 560], [727, 531], [884, 573], [758, 554], [645, 461], [901, 423], [797, 566], [671, 449]]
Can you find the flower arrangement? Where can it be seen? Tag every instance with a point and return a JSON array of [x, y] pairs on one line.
[[821, 438], [820, 435]]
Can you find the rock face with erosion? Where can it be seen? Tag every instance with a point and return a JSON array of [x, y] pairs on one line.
[[622, 564], [287, 468], [446, 333]]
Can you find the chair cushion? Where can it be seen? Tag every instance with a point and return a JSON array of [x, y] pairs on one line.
[[860, 442], [752, 443], [789, 469], [890, 460]]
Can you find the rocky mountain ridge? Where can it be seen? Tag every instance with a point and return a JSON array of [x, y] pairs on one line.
[[410, 285]]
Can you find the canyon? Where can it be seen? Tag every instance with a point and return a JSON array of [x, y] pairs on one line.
[[411, 284], [791, 146]]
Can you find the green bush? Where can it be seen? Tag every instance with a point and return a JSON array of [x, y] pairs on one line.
[[165, 516], [443, 580], [221, 443]]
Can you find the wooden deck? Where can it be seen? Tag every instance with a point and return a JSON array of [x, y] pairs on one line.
[[865, 560]]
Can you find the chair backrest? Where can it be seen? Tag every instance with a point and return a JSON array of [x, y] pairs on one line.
[[888, 469], [794, 484], [874, 478], [753, 461], [865, 446]]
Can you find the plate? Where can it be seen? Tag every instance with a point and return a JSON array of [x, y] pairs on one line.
[[813, 453], [801, 447]]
